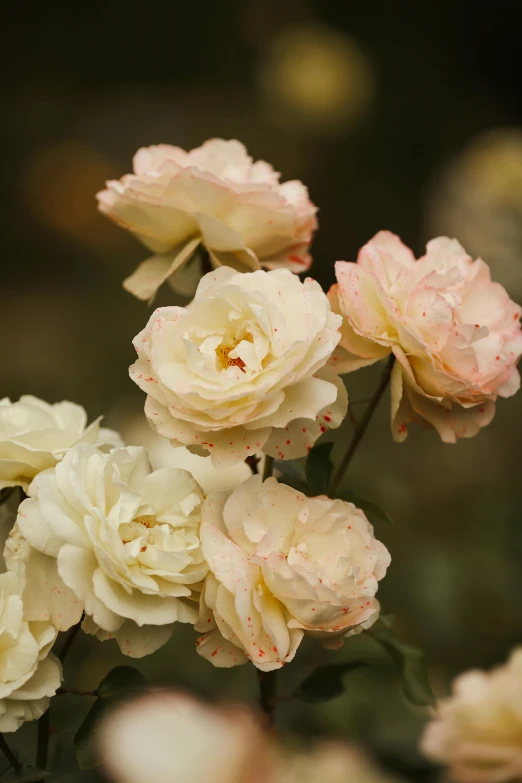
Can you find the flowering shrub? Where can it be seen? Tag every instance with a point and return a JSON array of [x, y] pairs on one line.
[[239, 382]]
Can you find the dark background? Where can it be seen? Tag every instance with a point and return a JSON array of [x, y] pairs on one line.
[[406, 116]]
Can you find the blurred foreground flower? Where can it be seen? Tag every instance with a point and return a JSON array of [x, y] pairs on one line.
[[168, 736], [215, 196], [120, 541], [29, 676], [455, 334], [35, 435], [281, 566], [477, 733], [242, 367]]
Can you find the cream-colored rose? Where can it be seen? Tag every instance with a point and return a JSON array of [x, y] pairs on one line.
[[242, 368], [283, 565], [214, 196], [29, 676], [35, 435], [138, 432], [455, 334], [123, 540], [477, 732], [168, 736]]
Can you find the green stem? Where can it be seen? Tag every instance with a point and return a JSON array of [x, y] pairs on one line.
[[42, 747], [268, 467], [267, 693], [69, 640], [8, 753], [361, 427]]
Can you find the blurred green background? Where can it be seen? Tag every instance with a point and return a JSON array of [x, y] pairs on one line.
[[405, 116]]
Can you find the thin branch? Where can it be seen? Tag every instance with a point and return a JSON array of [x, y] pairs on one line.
[[42, 747], [74, 692], [8, 753], [268, 467], [267, 693], [69, 640], [363, 424]]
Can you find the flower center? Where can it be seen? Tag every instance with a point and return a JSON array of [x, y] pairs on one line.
[[149, 520], [224, 354]]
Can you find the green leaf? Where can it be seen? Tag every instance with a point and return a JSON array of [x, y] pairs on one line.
[[119, 684], [319, 469], [373, 510], [292, 473], [85, 737], [326, 682], [25, 775], [410, 660]]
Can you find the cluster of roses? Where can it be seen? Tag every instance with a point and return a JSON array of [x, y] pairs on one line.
[[251, 365]]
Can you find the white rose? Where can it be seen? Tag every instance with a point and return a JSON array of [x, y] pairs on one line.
[[29, 676], [125, 541], [214, 195], [283, 565], [242, 368], [35, 435], [163, 455], [455, 334], [477, 732], [168, 736]]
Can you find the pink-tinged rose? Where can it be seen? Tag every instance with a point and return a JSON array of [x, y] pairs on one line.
[[283, 565], [477, 732], [243, 367], [456, 335], [215, 196]]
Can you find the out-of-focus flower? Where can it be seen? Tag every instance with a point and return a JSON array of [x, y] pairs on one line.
[[215, 196], [316, 78], [35, 435], [29, 676], [168, 736], [455, 334], [125, 541], [283, 565], [242, 368], [477, 732], [478, 197], [331, 762]]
